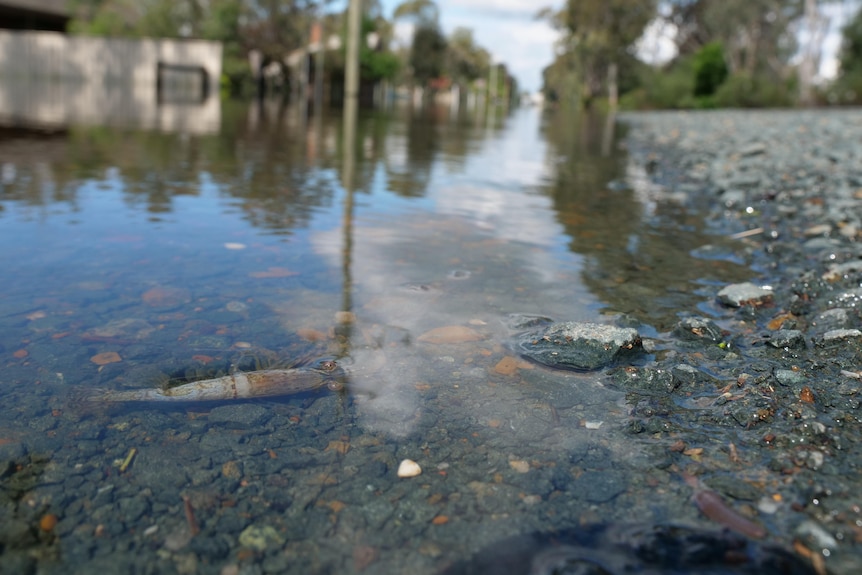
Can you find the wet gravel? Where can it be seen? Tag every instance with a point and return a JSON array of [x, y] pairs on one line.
[[776, 360]]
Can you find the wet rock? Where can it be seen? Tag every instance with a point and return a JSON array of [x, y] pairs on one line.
[[240, 416], [685, 375], [789, 377], [615, 549], [698, 329], [645, 380], [838, 335], [787, 339], [523, 321], [738, 295], [836, 318], [580, 346], [598, 486]]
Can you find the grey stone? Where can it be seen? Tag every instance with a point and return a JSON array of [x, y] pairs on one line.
[[753, 149], [837, 335], [738, 295], [580, 346], [789, 377]]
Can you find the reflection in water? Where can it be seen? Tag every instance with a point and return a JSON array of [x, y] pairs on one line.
[[402, 250], [635, 242], [45, 104]]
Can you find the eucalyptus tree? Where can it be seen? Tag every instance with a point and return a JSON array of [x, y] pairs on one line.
[[428, 49], [600, 35], [466, 61]]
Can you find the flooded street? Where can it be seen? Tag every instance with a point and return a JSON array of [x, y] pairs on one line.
[[412, 256]]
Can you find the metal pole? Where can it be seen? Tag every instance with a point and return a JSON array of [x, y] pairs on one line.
[[351, 77]]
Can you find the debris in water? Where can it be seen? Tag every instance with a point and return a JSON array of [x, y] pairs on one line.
[[128, 460], [190, 516]]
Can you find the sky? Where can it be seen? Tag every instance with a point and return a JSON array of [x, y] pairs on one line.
[[509, 30]]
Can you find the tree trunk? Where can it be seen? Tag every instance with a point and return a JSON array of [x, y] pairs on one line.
[[613, 96]]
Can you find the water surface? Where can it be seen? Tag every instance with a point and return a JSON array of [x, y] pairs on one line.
[[134, 259]]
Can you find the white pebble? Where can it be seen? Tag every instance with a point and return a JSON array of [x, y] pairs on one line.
[[593, 424], [409, 468]]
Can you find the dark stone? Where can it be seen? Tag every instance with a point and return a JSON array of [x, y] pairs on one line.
[[645, 380], [580, 346], [598, 486], [787, 339], [632, 548], [698, 329]]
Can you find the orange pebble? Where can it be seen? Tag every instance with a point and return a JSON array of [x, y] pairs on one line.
[[440, 520], [48, 522], [21, 353]]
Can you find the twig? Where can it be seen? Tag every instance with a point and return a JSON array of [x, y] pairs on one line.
[[190, 516]]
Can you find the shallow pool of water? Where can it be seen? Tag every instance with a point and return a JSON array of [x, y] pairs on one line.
[[135, 260]]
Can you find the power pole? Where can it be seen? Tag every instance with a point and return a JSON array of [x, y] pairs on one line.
[[351, 76]]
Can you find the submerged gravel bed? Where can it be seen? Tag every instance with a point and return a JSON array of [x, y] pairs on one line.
[[724, 433], [785, 349]]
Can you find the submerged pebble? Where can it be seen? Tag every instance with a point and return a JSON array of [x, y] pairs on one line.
[[409, 468]]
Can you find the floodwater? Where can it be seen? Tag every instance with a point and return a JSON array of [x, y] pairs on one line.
[[134, 259]]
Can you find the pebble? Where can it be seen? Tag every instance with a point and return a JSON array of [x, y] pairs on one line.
[[409, 468], [738, 295]]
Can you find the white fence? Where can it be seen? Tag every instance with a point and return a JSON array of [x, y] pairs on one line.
[[49, 79]]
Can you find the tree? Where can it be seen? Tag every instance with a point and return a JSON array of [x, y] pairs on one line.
[[600, 36], [757, 35], [710, 70], [848, 85], [428, 53], [466, 62]]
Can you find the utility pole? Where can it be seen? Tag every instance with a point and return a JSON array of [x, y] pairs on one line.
[[351, 76]]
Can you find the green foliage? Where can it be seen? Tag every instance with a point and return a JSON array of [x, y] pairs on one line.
[[378, 65], [598, 34], [428, 53], [847, 88], [710, 69], [669, 87], [745, 91], [465, 60]]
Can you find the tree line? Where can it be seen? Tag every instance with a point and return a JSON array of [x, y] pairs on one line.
[[275, 29], [729, 53]]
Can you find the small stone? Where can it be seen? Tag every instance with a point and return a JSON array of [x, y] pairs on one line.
[[787, 339], [259, 537], [738, 295], [841, 334], [520, 465], [48, 522], [106, 357], [450, 334], [409, 468], [698, 328], [506, 366]]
